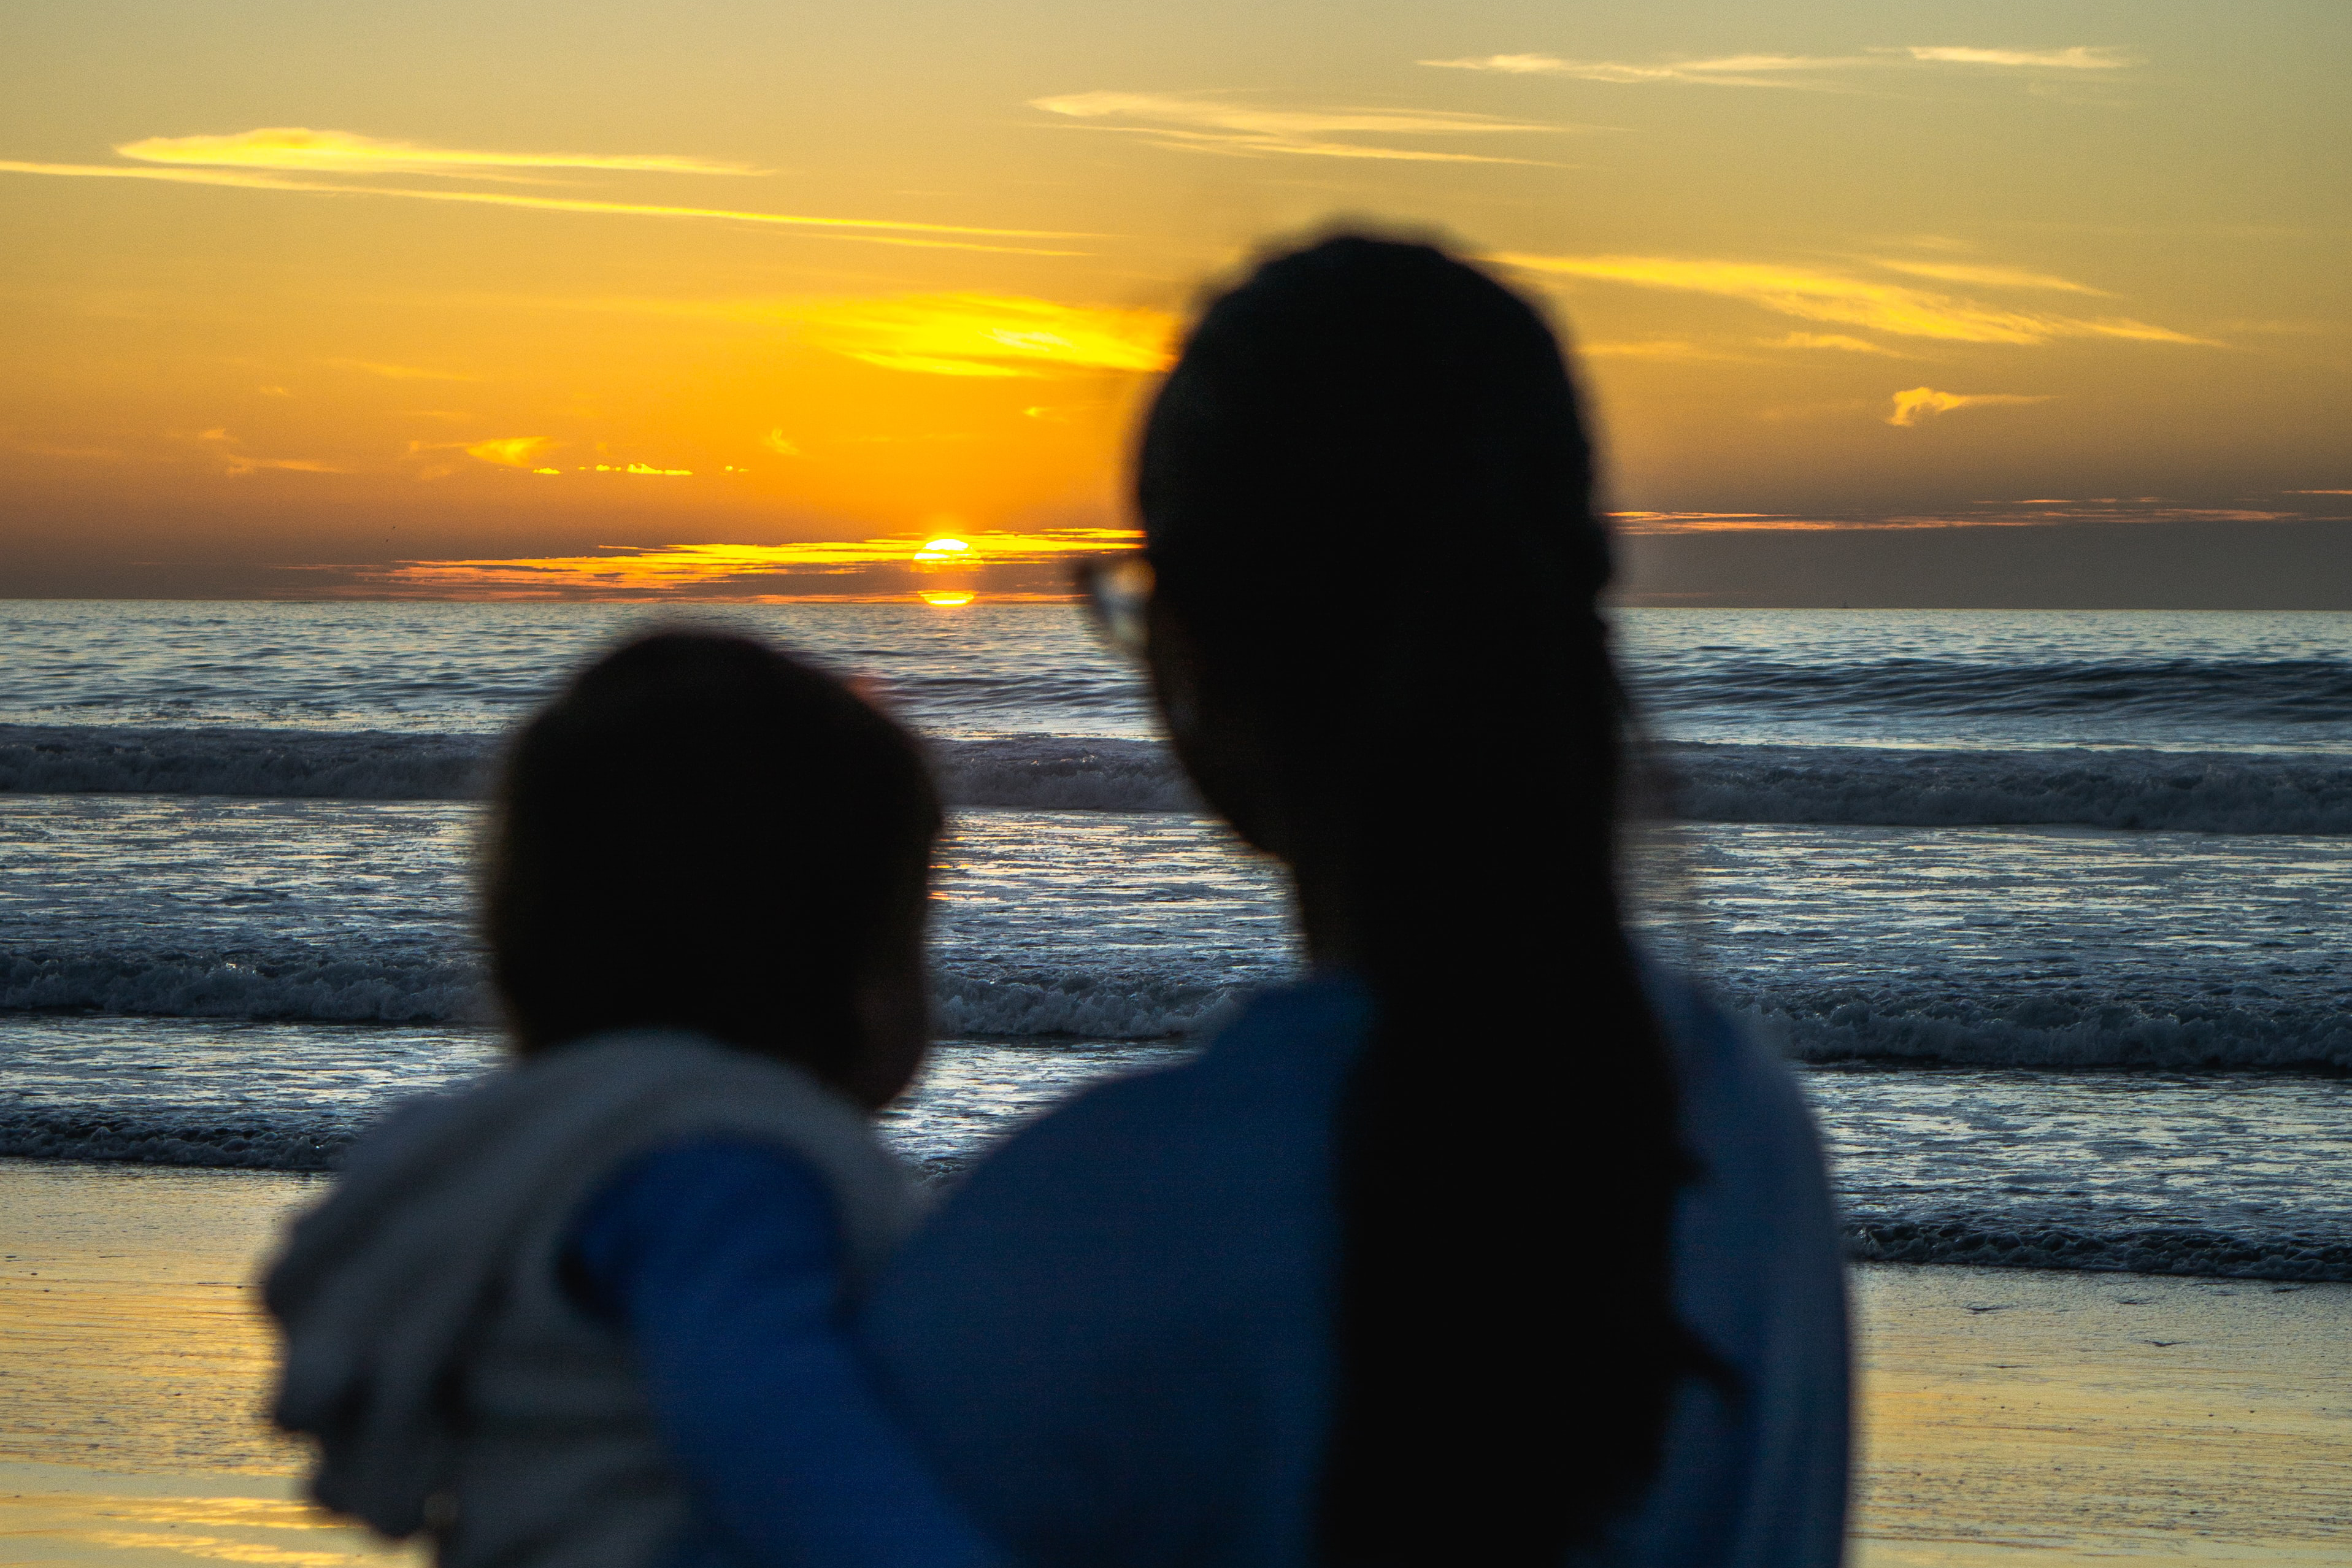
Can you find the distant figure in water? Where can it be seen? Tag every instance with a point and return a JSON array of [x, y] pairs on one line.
[[1484, 1243], [591, 1309]]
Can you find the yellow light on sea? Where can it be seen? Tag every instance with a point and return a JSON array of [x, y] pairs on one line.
[[946, 599]]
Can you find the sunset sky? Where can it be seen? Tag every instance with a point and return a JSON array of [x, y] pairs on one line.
[[735, 299]]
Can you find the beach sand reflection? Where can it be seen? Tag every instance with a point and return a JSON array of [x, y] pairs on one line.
[[2008, 1416]]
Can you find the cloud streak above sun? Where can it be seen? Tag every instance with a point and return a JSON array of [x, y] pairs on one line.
[[1918, 403], [1814, 295], [301, 150], [980, 335], [1796, 71], [721, 570], [244, 161], [1200, 123]]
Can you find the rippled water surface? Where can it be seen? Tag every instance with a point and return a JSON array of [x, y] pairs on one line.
[[2051, 903]]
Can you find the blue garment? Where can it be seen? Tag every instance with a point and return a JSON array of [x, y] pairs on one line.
[[1115, 1343], [721, 1262]]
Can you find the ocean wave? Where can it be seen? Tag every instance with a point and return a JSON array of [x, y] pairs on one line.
[[293, 765], [163, 1138], [2038, 1029], [2197, 792], [1034, 772], [1933, 1023], [1052, 772], [2236, 690], [1990, 1242], [390, 987], [375, 988], [259, 1142]]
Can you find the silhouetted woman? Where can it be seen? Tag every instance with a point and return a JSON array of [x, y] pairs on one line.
[[1479, 1246]]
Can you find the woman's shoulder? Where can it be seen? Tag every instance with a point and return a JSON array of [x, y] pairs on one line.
[[1266, 1076]]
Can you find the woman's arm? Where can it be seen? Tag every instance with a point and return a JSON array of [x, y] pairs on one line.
[[721, 1260]]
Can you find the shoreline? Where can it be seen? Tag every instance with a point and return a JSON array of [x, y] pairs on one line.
[[2006, 1415]]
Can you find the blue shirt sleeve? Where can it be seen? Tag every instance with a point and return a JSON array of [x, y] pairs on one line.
[[721, 1260]]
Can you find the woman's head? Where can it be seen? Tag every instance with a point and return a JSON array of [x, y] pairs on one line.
[[702, 832], [1376, 638]]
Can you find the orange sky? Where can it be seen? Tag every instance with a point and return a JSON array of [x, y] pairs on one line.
[[595, 298]]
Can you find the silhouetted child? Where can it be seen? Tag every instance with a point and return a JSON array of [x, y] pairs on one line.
[[589, 1308]]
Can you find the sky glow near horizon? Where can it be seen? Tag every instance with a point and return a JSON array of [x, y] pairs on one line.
[[711, 303]]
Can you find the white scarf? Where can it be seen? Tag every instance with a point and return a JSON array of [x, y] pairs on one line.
[[429, 1344]]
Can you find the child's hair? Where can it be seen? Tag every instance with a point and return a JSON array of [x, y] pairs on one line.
[[702, 832]]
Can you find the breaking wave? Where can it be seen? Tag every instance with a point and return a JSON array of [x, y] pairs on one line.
[[2147, 690], [163, 1138], [2192, 792], [389, 986], [1035, 772], [282, 763], [1988, 1243], [2043, 1029], [300, 1142]]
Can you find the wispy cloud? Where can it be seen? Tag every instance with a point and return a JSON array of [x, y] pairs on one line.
[[782, 446], [397, 371], [733, 570], [998, 335], [1653, 349], [1837, 341], [1820, 296], [237, 463], [1812, 73], [2081, 57], [1204, 124], [510, 451], [1920, 403], [304, 150], [1987, 277], [2036, 513], [988, 335], [873, 231], [1722, 71]]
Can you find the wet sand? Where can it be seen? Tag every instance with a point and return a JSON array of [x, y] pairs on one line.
[[2008, 1417]]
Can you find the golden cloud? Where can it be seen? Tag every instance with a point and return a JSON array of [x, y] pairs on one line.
[[1725, 71], [304, 150], [237, 464], [1920, 403], [995, 335], [1199, 123], [1787, 70], [873, 231], [2080, 58], [510, 451], [710, 569], [1816, 296], [1987, 277], [1838, 341]]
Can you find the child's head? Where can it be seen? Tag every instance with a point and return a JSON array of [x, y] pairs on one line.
[[701, 832]]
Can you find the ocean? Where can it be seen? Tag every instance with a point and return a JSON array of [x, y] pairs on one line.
[[2047, 907]]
